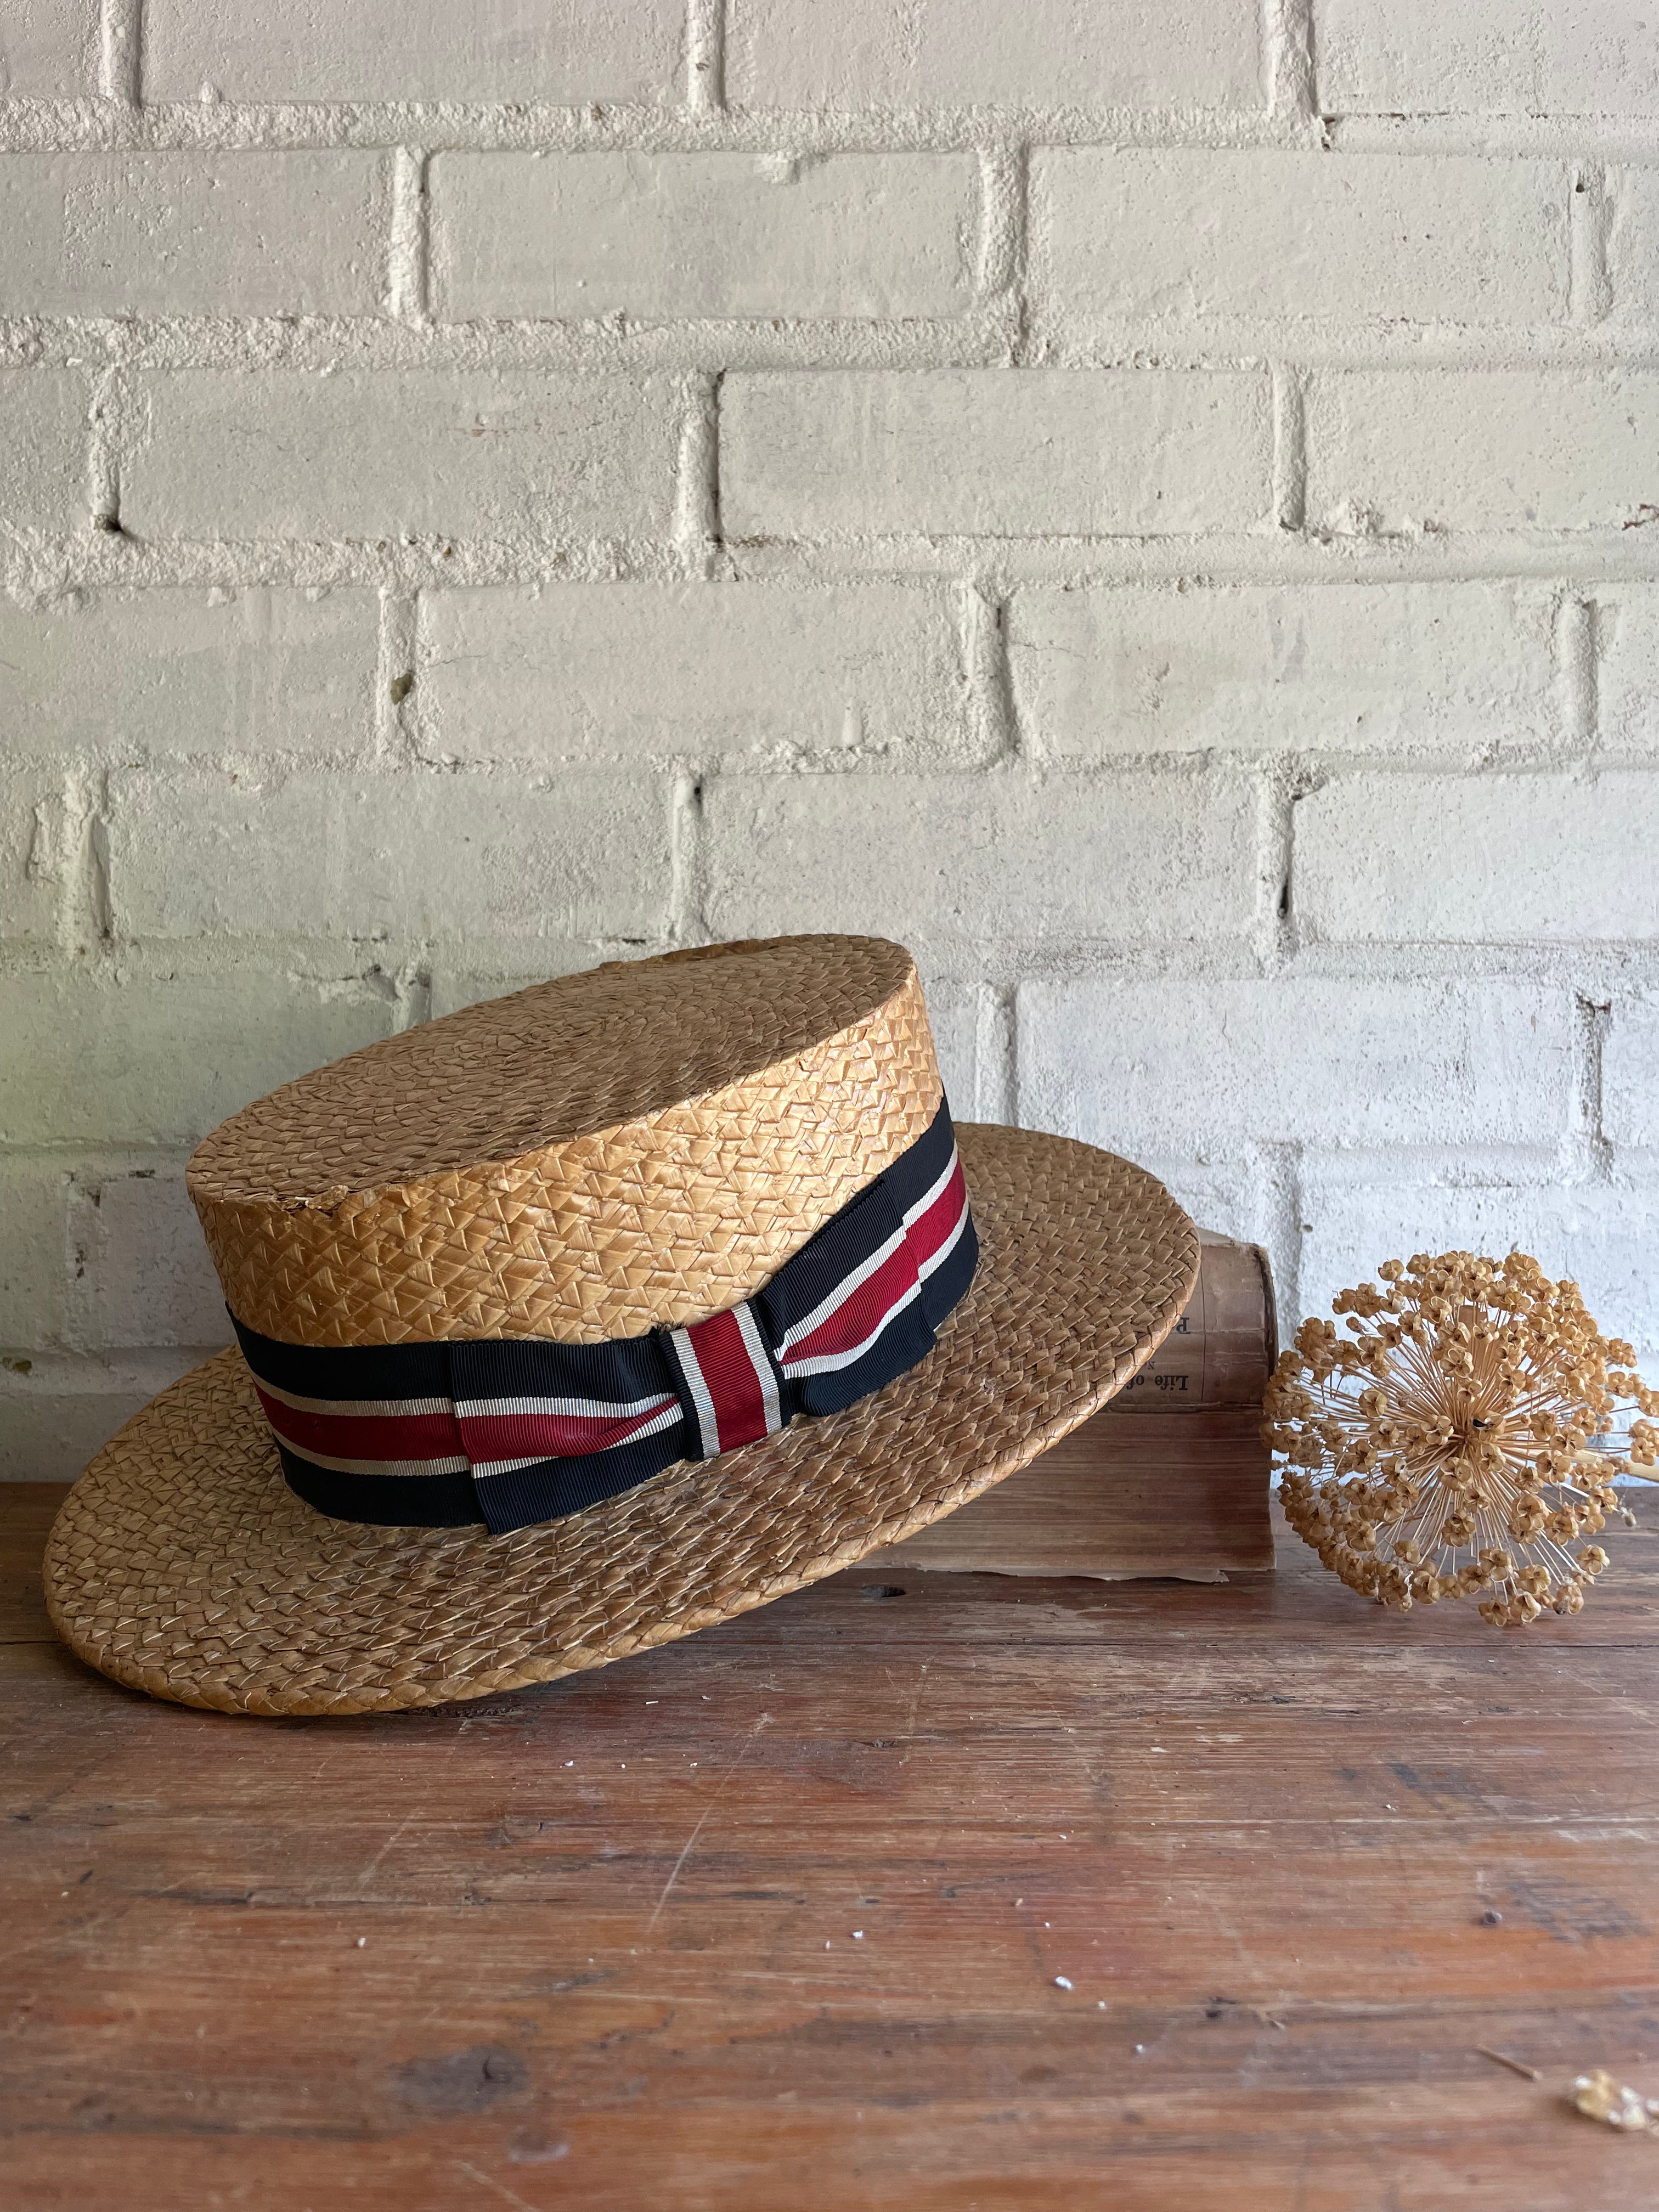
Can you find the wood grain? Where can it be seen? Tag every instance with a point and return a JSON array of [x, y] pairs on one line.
[[783, 1914]]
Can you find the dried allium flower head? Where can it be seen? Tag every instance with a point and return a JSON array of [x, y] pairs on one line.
[[1461, 1438]]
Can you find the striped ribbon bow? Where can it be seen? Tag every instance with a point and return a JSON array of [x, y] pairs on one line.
[[511, 1431]]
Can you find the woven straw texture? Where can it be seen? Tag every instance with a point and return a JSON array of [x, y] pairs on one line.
[[632, 1148], [182, 1564]]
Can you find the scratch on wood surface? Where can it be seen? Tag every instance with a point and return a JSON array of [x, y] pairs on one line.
[[915, 1699], [501, 2188], [685, 1849], [407, 1821]]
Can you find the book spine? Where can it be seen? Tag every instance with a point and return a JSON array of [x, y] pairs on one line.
[[1221, 1351]]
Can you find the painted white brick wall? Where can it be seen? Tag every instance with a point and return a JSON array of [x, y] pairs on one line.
[[1157, 506]]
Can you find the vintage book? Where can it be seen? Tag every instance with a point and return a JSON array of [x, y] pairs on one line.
[[1170, 1479]]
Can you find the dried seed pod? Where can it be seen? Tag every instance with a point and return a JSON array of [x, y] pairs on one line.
[[1459, 1436]]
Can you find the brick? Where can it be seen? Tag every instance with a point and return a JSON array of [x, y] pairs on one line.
[[161, 1062], [1492, 858], [1161, 1068], [43, 453], [1485, 56], [1462, 239], [376, 50], [581, 235], [281, 454], [981, 858], [193, 234], [1018, 453], [859, 671], [58, 1412], [33, 1270], [1630, 1071], [953, 1017], [1228, 1196], [49, 50], [139, 1270], [258, 671], [1480, 449], [1600, 1236], [328, 855], [1182, 53], [1627, 676], [1632, 244], [1337, 667]]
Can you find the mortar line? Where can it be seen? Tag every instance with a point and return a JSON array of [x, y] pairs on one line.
[[1573, 649], [1589, 288], [1283, 1201], [696, 532], [688, 868], [984, 614], [705, 56], [996, 1055], [28, 124], [98, 559], [407, 272], [1584, 969], [120, 36], [1290, 448], [411, 992], [1287, 60], [1596, 640], [1002, 260], [976, 337], [93, 898], [1586, 1147], [1277, 936], [105, 403], [395, 731]]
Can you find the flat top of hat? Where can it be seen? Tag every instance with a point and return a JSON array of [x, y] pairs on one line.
[[575, 1057], [630, 1149]]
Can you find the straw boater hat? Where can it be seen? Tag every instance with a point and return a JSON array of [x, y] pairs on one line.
[[584, 1318]]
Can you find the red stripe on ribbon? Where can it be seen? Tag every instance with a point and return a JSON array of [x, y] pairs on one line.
[[489, 1437], [405, 1437], [932, 1231], [862, 1312], [728, 1373]]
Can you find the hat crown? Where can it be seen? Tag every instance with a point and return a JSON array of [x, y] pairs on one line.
[[635, 1147]]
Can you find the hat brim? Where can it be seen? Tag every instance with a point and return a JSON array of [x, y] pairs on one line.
[[181, 1564]]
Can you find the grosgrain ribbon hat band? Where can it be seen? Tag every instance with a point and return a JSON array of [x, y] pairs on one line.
[[513, 1431]]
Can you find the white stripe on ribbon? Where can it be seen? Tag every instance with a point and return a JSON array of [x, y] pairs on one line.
[[367, 1409], [832, 1303], [827, 1362], [754, 1345], [451, 1465], [837, 1298], [580, 1409], [935, 1191], [708, 1425], [939, 1258]]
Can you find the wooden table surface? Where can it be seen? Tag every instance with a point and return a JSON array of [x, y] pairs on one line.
[[977, 1894]]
